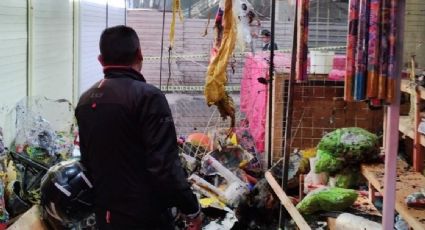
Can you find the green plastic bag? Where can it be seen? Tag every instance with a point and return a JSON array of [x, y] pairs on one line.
[[354, 144], [327, 199], [326, 162]]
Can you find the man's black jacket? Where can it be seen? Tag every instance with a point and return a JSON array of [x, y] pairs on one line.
[[269, 47], [128, 144]]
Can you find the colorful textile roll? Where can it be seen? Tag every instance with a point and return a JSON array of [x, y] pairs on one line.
[[353, 22], [302, 43], [392, 53], [361, 55], [384, 46], [373, 49]]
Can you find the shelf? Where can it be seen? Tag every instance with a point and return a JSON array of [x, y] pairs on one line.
[[406, 127], [407, 182], [407, 87]]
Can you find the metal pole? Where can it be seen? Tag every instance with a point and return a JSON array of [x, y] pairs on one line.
[[75, 52], [289, 105], [317, 23], [30, 42], [162, 45], [271, 74], [393, 118], [107, 14]]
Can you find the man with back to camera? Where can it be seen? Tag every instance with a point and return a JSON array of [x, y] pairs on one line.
[[128, 143], [267, 40]]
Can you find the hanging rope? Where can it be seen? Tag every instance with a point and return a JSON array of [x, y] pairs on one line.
[[169, 67]]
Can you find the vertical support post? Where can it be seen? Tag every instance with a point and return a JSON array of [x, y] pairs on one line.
[[162, 45], [372, 191], [391, 144], [288, 124], [125, 11], [317, 23], [385, 131], [270, 85], [418, 159], [107, 14], [30, 18], [76, 53]]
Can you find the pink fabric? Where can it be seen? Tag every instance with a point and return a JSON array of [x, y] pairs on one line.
[[338, 68], [254, 97], [339, 62], [336, 75], [253, 100]]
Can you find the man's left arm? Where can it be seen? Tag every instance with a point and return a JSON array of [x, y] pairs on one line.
[[162, 160]]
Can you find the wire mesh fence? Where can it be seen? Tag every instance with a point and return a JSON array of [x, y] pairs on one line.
[[318, 103]]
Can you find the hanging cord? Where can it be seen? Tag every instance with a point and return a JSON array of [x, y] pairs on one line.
[[288, 117], [297, 128], [169, 66], [162, 45]]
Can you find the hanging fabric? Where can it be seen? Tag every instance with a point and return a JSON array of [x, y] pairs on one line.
[[361, 53], [302, 37], [383, 57], [353, 21], [176, 10], [391, 84], [216, 79], [373, 49]]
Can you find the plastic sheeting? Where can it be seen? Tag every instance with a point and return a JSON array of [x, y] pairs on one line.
[[42, 123], [41, 133]]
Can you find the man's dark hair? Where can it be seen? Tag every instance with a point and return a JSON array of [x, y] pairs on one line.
[[118, 45], [265, 33]]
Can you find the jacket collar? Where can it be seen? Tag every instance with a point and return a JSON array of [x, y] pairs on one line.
[[122, 72]]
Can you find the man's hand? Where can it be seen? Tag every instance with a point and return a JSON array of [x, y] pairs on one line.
[[195, 223]]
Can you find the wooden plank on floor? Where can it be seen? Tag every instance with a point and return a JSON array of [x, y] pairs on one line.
[[286, 202], [30, 220], [407, 182]]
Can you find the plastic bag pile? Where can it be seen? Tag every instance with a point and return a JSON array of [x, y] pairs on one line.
[[339, 155], [341, 152]]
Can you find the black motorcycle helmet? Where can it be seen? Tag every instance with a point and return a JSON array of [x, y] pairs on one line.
[[66, 192]]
